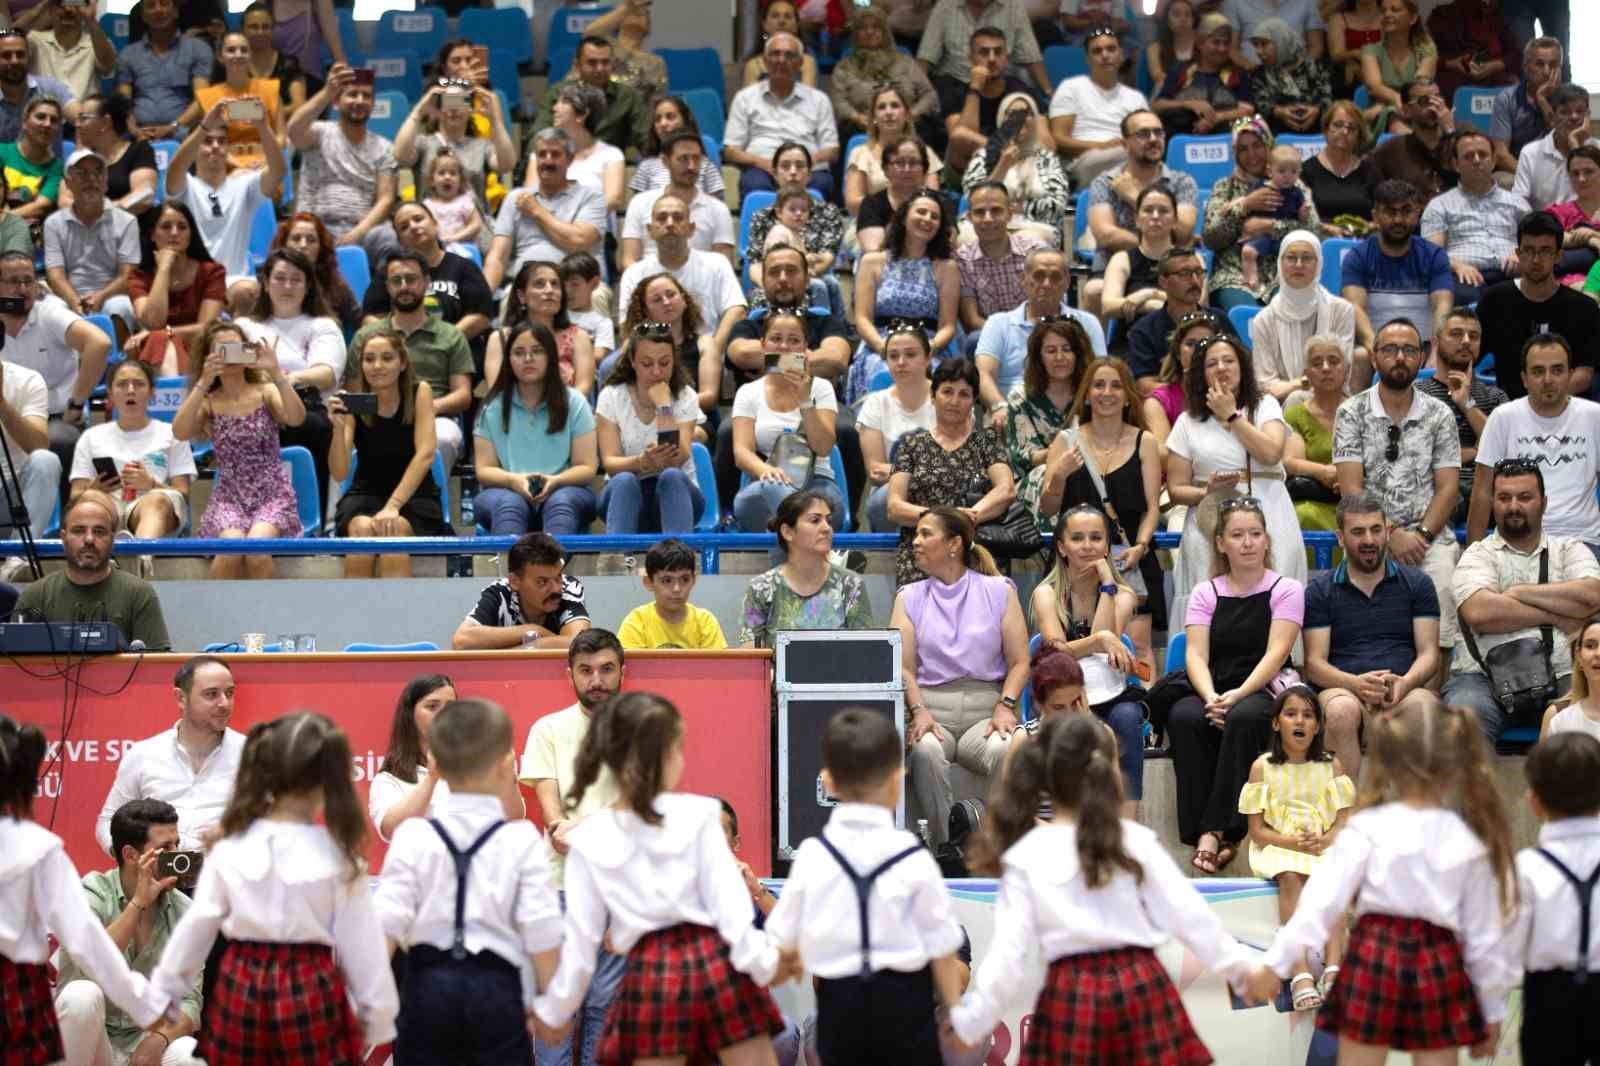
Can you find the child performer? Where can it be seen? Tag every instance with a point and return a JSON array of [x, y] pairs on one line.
[[876, 975], [656, 864], [1556, 941], [1426, 860], [40, 895], [1297, 798], [1094, 894], [468, 895], [288, 894]]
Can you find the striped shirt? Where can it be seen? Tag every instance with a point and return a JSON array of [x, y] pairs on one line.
[[1478, 230]]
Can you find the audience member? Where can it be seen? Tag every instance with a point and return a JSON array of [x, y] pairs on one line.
[[1021, 157], [1556, 432], [1423, 157], [1164, 400], [705, 275], [1580, 216], [873, 62], [90, 587], [964, 649], [1308, 453], [1088, 112], [765, 115], [545, 222], [1340, 178], [1241, 209], [238, 406], [1130, 282], [778, 16], [392, 493], [594, 162], [888, 118], [247, 140], [304, 233], [805, 590], [668, 115], [1394, 273], [1541, 175], [662, 298], [824, 228], [25, 434], [1302, 23], [435, 131], [907, 162], [990, 267], [784, 287], [139, 909], [1519, 583], [1371, 631], [1476, 222], [1003, 346], [436, 352], [1210, 92], [713, 225], [66, 43], [1114, 194], [1575, 713], [1043, 409], [1175, 40], [888, 414], [1241, 625], [588, 304], [1300, 310], [1402, 446], [1522, 112], [670, 620], [1355, 25], [1291, 87], [1537, 304], [1404, 54], [153, 468], [16, 235], [626, 118], [268, 61], [914, 279], [1473, 45], [538, 295], [1470, 398], [536, 605], [162, 71], [645, 421], [970, 99], [631, 62], [348, 177], [1181, 277], [534, 443], [92, 246], [947, 53], [32, 160], [457, 291], [103, 127]]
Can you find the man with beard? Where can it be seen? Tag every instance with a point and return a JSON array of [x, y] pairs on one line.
[[90, 587], [1401, 445], [1519, 308], [1181, 274], [457, 291], [162, 73], [1472, 400], [17, 86], [1394, 273], [1553, 429], [1089, 113], [67, 43], [536, 605], [438, 352], [1371, 631], [595, 668], [349, 175], [1421, 156], [1503, 597], [626, 119], [713, 224], [545, 220]]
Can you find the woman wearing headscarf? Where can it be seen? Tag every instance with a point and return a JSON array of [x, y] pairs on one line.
[[1027, 165], [874, 63], [1291, 89], [1208, 92], [1302, 309], [1242, 208]]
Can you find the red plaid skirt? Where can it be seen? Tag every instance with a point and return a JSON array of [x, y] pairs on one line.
[[1403, 985], [1110, 1006], [680, 995], [29, 1034], [279, 1003]]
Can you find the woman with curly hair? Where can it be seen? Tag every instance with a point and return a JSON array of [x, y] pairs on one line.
[[914, 278], [662, 298]]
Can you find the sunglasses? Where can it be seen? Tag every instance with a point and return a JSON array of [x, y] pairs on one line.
[[1393, 451], [1239, 503], [654, 331]]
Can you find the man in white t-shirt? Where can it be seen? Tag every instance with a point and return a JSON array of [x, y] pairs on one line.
[[224, 205], [22, 432], [713, 224], [705, 275], [595, 668], [1560, 433], [1086, 111]]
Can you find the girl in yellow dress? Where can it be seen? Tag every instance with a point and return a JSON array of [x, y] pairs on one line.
[[1297, 797]]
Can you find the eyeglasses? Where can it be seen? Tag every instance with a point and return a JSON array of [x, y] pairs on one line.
[[1393, 451], [216, 205], [907, 163], [1298, 259], [1410, 351], [1153, 133], [1186, 272], [1538, 253]]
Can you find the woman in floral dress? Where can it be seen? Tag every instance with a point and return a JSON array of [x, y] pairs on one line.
[[1058, 351]]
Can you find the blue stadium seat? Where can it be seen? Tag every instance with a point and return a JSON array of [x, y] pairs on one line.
[[399, 72], [850, 146], [416, 645], [1080, 225], [1177, 648], [262, 227], [747, 209], [708, 112], [692, 68], [308, 498], [417, 34], [1143, 80], [706, 475], [560, 62], [507, 27], [103, 323], [348, 36], [167, 397], [836, 457], [389, 111], [1307, 144], [473, 253], [1473, 106], [567, 27], [880, 381], [1063, 61], [1239, 318], [1333, 253], [116, 27], [1362, 97], [1207, 159], [53, 530], [355, 269], [713, 149], [503, 76], [164, 151]]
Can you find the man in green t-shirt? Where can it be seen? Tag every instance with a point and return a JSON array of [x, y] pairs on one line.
[[90, 587]]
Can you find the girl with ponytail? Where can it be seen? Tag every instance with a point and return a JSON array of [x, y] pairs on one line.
[[1096, 895], [656, 865], [291, 897], [40, 895]]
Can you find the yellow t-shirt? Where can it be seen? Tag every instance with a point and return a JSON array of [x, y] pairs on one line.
[[551, 751], [644, 628]]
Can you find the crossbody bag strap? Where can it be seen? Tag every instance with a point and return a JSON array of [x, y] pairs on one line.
[[1546, 633], [1585, 889], [863, 886], [463, 862]]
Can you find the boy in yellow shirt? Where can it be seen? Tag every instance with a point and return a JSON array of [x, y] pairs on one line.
[[671, 621]]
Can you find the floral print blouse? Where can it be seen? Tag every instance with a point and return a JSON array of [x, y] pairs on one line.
[[1050, 207], [770, 605], [1031, 425], [824, 231], [940, 478], [1224, 226]]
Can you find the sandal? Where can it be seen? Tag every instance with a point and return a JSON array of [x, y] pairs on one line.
[[1205, 859], [1225, 855], [1330, 974], [1303, 988]]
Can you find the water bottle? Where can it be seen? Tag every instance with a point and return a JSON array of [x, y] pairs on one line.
[[924, 833]]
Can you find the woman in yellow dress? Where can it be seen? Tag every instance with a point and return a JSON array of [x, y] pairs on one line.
[[1297, 797]]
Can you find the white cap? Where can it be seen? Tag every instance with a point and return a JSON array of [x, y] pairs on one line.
[[80, 154]]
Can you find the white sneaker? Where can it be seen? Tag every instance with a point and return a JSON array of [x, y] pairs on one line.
[[13, 567]]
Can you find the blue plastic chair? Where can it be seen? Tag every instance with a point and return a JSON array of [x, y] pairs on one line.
[[706, 475], [398, 72], [103, 323], [1334, 250], [416, 645], [308, 498], [880, 381], [560, 63], [389, 111], [348, 37], [472, 252], [507, 27], [567, 27], [713, 149], [167, 397], [1177, 648], [1307, 144], [164, 151], [116, 27], [708, 112], [692, 68], [836, 458], [1063, 61], [852, 144], [1474, 106], [1239, 318], [354, 268], [1207, 159], [757, 200], [53, 530], [417, 34], [1080, 225], [262, 227], [1362, 97], [503, 78], [1143, 79]]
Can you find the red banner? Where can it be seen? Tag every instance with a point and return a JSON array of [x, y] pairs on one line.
[[107, 704]]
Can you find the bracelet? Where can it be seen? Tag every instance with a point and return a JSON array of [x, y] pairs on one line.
[[915, 707], [163, 1036], [1233, 416]]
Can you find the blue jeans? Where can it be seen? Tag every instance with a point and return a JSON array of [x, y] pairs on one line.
[[603, 371], [878, 511], [756, 503], [566, 511], [666, 503], [1472, 690], [590, 1023], [1126, 720]]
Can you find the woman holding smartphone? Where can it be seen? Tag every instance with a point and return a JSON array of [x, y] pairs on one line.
[[645, 421]]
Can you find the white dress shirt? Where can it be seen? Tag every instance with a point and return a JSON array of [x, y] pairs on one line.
[[1548, 911], [646, 878], [40, 894], [910, 917], [1541, 176], [285, 883], [386, 790], [512, 908], [1408, 862], [158, 768], [759, 122], [1045, 906]]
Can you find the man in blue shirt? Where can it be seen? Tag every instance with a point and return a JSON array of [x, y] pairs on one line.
[[163, 72], [18, 87], [1371, 632], [1522, 114], [1003, 345], [1394, 273]]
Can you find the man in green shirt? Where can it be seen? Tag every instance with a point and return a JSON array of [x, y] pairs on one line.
[[90, 588], [438, 351], [626, 120], [139, 912]]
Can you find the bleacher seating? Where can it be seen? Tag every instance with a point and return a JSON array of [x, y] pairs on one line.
[[1473, 106], [706, 104], [398, 73], [1240, 318], [507, 28], [706, 475], [1333, 253], [308, 498], [1063, 61], [355, 269], [418, 34], [389, 111], [568, 24], [693, 68], [1207, 159]]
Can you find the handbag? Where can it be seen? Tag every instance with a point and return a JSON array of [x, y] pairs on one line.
[[1303, 489], [1014, 535], [1132, 577], [791, 454], [1209, 509], [1519, 671]]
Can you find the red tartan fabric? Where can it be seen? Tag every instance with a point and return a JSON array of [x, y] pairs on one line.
[[29, 1034], [1114, 1006], [1403, 985], [279, 1003]]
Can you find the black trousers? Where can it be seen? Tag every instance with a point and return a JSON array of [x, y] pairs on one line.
[[1560, 1018], [885, 1018], [1212, 764], [461, 1012]]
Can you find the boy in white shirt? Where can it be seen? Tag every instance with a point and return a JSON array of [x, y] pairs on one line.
[[469, 896], [876, 975]]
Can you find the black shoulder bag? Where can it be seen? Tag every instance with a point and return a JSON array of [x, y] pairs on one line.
[[1519, 671]]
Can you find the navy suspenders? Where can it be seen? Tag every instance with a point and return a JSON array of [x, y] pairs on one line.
[[463, 859], [863, 887], [1585, 890]]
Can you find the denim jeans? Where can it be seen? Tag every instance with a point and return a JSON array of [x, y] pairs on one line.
[[878, 511], [566, 511], [1126, 720], [590, 1023], [666, 503], [756, 503], [1472, 690], [40, 474]]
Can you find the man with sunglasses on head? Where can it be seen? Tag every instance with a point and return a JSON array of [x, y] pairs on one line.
[[1401, 445], [1182, 276]]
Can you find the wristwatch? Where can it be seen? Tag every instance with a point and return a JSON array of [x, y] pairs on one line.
[[76, 405], [1422, 531], [1233, 416], [1009, 701], [1109, 589]]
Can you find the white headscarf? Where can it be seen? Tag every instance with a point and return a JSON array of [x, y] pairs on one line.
[[1294, 316]]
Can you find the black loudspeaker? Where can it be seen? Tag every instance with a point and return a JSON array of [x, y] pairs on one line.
[[803, 806]]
